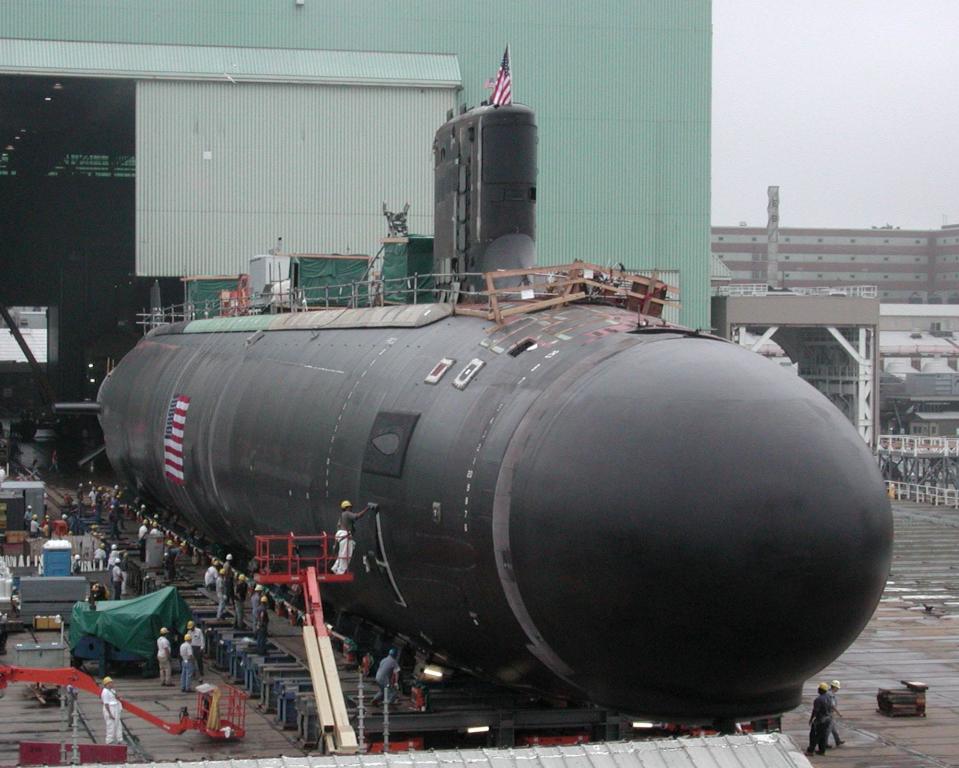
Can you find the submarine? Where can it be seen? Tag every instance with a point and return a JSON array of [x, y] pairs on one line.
[[578, 502]]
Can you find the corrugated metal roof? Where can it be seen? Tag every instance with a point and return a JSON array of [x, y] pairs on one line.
[[197, 62], [773, 750]]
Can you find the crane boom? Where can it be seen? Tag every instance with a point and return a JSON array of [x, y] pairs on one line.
[[83, 682]]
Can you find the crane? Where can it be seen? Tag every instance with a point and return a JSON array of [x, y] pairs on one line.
[[217, 716]]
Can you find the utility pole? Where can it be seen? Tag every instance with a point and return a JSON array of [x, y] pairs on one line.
[[773, 276]]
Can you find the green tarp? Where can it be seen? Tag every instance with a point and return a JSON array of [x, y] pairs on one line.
[[204, 294], [404, 264], [328, 281], [131, 625]]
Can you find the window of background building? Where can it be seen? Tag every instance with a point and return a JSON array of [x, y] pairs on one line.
[[819, 240], [852, 239], [819, 258], [721, 237], [754, 239]]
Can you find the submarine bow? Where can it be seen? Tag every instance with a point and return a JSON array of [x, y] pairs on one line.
[[657, 521]]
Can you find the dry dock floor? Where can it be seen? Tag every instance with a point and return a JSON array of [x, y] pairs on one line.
[[914, 635]]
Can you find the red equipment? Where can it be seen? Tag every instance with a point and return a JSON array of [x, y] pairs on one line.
[[228, 719]]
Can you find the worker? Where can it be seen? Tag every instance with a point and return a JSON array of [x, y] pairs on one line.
[[833, 692], [262, 626], [220, 594], [114, 556], [27, 517], [820, 721], [348, 517], [255, 603], [169, 560], [99, 556], [242, 590], [34, 527], [77, 565], [387, 674], [163, 656], [142, 540], [116, 576], [186, 663], [229, 580], [344, 549], [198, 641], [111, 712], [209, 577]]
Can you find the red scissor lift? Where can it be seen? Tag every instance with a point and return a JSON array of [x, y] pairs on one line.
[[309, 560]]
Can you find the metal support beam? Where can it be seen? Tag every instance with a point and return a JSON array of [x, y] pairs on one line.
[[770, 332]]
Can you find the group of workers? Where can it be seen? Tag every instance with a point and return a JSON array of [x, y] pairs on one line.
[[822, 721]]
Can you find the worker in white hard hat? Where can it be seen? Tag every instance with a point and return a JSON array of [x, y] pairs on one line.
[[77, 565], [834, 687], [198, 641], [111, 712], [163, 656]]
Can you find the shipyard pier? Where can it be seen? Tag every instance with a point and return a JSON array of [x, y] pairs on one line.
[[363, 391]]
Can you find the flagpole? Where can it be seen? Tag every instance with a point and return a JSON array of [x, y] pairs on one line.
[[509, 58]]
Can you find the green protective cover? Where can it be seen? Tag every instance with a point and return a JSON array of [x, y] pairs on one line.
[[204, 295], [328, 282], [131, 625], [401, 261]]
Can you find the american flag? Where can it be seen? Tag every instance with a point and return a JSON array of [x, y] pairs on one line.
[[173, 438], [503, 87]]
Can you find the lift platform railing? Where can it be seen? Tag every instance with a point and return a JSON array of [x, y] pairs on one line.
[[285, 558]]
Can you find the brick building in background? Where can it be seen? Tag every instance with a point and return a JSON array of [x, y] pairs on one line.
[[918, 266]]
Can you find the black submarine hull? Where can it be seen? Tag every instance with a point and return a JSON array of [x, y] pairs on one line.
[[655, 521]]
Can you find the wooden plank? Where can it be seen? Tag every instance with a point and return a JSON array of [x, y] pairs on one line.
[[459, 309], [620, 291], [521, 308], [324, 708], [345, 737], [399, 240], [493, 299]]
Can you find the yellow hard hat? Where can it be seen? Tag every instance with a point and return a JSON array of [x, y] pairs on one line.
[[241, 577], [263, 599], [823, 687], [107, 680], [169, 543], [220, 571], [190, 625], [188, 636], [835, 684], [164, 630], [345, 504]]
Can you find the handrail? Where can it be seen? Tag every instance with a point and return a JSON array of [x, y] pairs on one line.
[[534, 288], [923, 494], [918, 445], [761, 289]]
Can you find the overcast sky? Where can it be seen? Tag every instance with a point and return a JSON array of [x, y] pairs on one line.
[[850, 106]]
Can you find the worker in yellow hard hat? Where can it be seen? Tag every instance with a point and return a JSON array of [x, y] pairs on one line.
[[187, 663], [820, 721], [164, 651], [348, 517], [111, 712], [262, 625]]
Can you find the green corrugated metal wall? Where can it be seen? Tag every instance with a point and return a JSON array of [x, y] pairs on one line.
[[224, 170], [621, 90]]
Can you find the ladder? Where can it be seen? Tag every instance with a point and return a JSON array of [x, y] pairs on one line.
[[308, 560]]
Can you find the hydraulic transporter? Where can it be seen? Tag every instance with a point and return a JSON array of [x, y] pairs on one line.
[[575, 501]]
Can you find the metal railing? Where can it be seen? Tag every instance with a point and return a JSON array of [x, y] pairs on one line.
[[923, 494], [918, 445], [761, 289], [536, 284]]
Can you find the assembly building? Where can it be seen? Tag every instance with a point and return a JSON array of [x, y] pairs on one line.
[[154, 139]]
